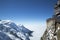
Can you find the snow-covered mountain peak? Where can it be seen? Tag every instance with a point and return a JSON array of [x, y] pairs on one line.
[[5, 21], [13, 31]]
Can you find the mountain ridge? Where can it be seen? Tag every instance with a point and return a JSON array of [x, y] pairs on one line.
[[13, 31]]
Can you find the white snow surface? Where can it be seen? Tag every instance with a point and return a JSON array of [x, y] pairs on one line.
[[10, 31]]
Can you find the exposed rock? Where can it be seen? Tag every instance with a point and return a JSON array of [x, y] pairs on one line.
[[53, 25]]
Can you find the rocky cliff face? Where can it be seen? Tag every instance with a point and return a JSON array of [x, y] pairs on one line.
[[52, 31], [53, 25]]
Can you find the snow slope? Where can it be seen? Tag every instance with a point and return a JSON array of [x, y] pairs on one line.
[[10, 31]]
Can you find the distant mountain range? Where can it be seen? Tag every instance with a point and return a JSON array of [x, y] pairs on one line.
[[10, 31]]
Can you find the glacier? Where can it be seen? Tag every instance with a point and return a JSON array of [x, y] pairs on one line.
[[11, 31]]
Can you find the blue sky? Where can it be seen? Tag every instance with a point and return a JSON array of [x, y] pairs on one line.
[[27, 12]]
